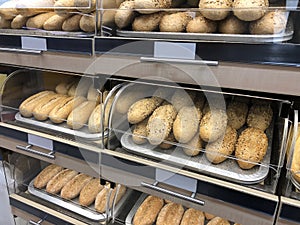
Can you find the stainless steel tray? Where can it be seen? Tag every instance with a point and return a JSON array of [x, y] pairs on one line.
[[228, 169], [248, 38], [74, 206], [83, 132]]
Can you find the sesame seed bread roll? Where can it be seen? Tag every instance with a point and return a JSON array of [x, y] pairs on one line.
[[46, 175], [217, 151], [237, 114], [89, 192], [186, 124], [55, 185], [218, 221], [193, 217], [73, 187], [213, 125], [160, 124], [171, 213], [147, 213], [260, 116], [139, 133], [251, 147]]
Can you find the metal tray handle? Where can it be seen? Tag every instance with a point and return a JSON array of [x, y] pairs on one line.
[[172, 193], [21, 50], [28, 148], [183, 61]]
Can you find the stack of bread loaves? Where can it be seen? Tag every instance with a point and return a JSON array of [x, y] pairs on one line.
[[69, 184], [185, 119]]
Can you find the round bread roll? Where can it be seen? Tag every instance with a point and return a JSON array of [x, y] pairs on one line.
[[237, 114], [249, 10], [215, 9], [175, 22], [271, 23], [148, 22], [251, 147], [213, 125], [201, 25], [260, 116], [186, 124], [168, 142], [125, 15], [160, 124], [182, 98], [217, 151], [218, 221], [192, 217], [139, 133], [194, 146], [232, 25]]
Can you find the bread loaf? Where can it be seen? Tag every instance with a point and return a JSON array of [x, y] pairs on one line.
[[89, 192], [18, 22], [80, 115], [139, 132], [237, 114], [218, 151], [193, 217], [42, 110], [72, 23], [95, 118], [194, 146], [73, 187], [55, 185], [39, 20], [30, 103], [186, 124], [175, 22], [260, 116], [147, 212], [251, 147], [55, 22], [160, 124], [215, 9], [170, 214], [101, 199], [46, 175], [125, 14], [218, 221]]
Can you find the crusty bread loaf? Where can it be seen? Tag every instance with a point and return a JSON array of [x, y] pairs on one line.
[[147, 212], [141, 109], [249, 10], [182, 98], [39, 20], [200, 24], [168, 142], [139, 132], [217, 151], [175, 22], [218, 221], [237, 114], [18, 22], [89, 192], [73, 187], [80, 115], [186, 123], [147, 22], [46, 175], [27, 106], [55, 185], [170, 214], [160, 124], [260, 116], [213, 125], [125, 14], [42, 110], [95, 118], [193, 217], [215, 9], [295, 166], [101, 199], [251, 147], [72, 23], [194, 146]]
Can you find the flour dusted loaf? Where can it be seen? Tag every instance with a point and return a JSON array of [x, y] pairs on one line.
[[160, 124], [260, 116], [237, 114], [89, 192], [249, 10], [171, 213], [175, 22], [218, 151], [193, 217], [148, 211], [218, 221], [55, 185], [215, 9], [200, 24], [46, 175], [251, 147], [213, 125]]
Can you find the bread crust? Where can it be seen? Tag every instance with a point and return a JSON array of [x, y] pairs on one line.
[[46, 175], [55, 185], [89, 192]]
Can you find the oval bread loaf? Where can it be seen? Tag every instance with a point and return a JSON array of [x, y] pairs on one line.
[[160, 124], [237, 114], [217, 151], [55, 185], [73, 187], [46, 175], [147, 212], [193, 217], [139, 133], [213, 125], [125, 14], [175, 22], [71, 23], [171, 213], [215, 9], [201, 25], [251, 147], [18, 22], [260, 116], [194, 146], [186, 124], [89, 192]]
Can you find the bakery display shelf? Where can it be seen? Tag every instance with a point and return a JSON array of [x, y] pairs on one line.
[[74, 206]]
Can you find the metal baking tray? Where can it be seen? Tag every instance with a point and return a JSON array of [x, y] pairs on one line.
[[248, 38], [63, 128], [228, 169], [74, 206], [130, 216]]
